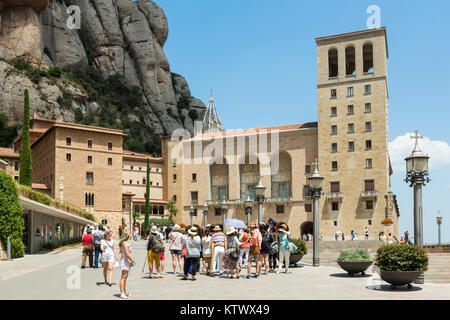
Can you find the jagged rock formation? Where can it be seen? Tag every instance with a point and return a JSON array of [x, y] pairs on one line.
[[116, 36]]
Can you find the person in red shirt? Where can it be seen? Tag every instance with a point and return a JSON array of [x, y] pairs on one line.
[[88, 249]]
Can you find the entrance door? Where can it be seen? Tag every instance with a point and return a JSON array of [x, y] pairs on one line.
[[307, 227]]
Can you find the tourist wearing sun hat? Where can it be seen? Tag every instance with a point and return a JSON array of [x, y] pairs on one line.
[[232, 253], [193, 247], [218, 246], [155, 246], [175, 247], [283, 241], [255, 249]]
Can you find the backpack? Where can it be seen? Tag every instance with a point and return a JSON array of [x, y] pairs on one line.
[[154, 244], [232, 249]]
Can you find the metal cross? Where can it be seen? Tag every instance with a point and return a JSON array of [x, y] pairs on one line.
[[416, 137], [316, 164]]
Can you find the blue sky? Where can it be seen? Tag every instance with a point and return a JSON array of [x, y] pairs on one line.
[[259, 57]]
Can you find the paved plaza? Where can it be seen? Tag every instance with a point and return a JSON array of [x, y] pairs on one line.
[[44, 276]]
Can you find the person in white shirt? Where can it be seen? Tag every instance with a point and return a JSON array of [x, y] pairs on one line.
[[109, 255]]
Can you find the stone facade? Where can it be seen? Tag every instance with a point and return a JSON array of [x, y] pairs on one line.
[[356, 112], [12, 161]]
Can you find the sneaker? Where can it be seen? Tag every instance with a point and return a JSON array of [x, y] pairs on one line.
[[256, 276], [127, 294], [286, 271], [123, 296], [278, 271], [249, 276]]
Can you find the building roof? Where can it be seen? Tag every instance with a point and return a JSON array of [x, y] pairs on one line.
[[39, 186], [152, 201], [139, 156], [241, 132], [81, 127], [8, 152]]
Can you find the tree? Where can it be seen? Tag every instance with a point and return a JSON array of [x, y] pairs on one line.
[[172, 209], [147, 197], [11, 216], [7, 133], [25, 176]]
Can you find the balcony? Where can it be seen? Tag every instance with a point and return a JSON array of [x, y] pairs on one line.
[[281, 200], [335, 196], [367, 195]]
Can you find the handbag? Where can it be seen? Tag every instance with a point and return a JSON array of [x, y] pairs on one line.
[[291, 246], [116, 264]]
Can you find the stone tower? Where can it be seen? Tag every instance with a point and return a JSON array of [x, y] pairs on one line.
[[353, 154], [211, 121]]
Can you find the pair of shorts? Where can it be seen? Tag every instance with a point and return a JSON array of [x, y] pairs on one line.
[[207, 255], [177, 252], [107, 258], [162, 255], [154, 257]]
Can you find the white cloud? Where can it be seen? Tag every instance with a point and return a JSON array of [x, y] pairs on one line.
[[402, 146]]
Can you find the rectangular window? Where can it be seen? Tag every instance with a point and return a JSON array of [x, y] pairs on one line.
[[89, 142], [222, 193], [334, 166], [109, 161], [335, 223], [68, 141], [350, 92], [174, 198], [68, 157], [308, 207], [174, 161], [89, 160], [306, 192], [370, 222], [351, 146], [334, 147], [194, 177], [195, 212], [368, 163], [350, 128], [89, 177], [308, 169], [333, 93], [283, 190], [109, 145], [194, 197], [218, 211], [333, 112], [368, 144], [368, 126], [367, 89], [280, 209], [369, 204], [334, 187], [131, 181], [16, 178], [369, 185], [368, 108], [350, 109], [335, 207], [174, 177], [333, 130], [144, 181], [16, 165]]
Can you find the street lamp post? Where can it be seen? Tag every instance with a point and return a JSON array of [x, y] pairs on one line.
[[205, 214], [259, 197], [417, 175], [439, 221], [224, 208], [191, 213], [248, 208], [315, 186]]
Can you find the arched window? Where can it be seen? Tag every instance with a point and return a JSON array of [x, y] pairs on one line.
[[350, 66], [368, 57], [161, 210], [155, 210], [332, 63], [219, 180]]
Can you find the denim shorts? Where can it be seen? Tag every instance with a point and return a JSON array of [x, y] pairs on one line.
[[177, 252]]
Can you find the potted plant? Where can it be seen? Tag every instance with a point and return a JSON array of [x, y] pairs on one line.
[[401, 264], [354, 260], [387, 222], [301, 251]]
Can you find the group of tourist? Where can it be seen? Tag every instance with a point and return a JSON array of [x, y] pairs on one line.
[[193, 250], [353, 235]]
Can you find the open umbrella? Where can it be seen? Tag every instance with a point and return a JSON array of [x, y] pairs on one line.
[[235, 223]]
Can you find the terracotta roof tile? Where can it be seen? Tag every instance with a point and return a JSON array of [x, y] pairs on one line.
[[8, 152]]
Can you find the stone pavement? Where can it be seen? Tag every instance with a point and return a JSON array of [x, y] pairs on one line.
[[45, 276]]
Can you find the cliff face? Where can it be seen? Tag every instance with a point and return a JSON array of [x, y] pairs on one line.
[[118, 37]]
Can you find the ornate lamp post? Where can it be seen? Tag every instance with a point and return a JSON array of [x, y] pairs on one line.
[[417, 175], [248, 208], [205, 214], [191, 213], [439, 221], [315, 186], [224, 208], [259, 191]]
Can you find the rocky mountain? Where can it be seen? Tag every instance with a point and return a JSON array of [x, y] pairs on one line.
[[121, 39]]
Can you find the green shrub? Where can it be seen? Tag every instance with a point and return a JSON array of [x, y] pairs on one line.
[[56, 244], [401, 257], [37, 196], [7, 133], [162, 222], [301, 246], [354, 255], [55, 72], [11, 216]]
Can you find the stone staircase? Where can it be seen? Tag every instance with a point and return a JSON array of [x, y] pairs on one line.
[[438, 267], [329, 250]]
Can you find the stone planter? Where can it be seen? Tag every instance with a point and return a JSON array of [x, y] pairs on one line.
[[399, 278], [354, 267], [294, 258]]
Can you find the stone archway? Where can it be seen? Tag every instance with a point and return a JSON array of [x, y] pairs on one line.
[[306, 227]]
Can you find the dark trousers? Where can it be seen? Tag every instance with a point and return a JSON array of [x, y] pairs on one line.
[[97, 254], [191, 266], [273, 260], [87, 252]]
